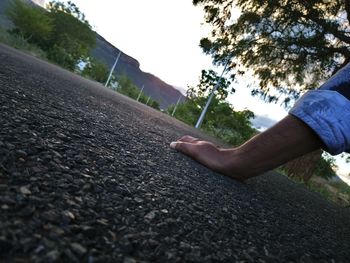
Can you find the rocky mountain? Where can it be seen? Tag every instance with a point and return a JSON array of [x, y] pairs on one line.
[[159, 90]]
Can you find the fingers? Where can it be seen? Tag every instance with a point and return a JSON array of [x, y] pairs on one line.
[[185, 144], [188, 138], [184, 147]]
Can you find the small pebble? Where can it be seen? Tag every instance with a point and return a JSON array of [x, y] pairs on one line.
[[151, 215], [79, 249], [129, 260], [25, 190]]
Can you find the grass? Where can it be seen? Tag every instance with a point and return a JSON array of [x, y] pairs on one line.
[[322, 190], [20, 43], [343, 192], [336, 192]]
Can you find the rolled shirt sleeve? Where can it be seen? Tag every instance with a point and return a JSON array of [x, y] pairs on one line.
[[327, 111]]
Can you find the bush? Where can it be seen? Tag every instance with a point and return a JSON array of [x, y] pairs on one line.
[[127, 88], [31, 23], [19, 42], [96, 70]]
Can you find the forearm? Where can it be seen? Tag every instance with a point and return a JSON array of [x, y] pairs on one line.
[[320, 119], [288, 139]]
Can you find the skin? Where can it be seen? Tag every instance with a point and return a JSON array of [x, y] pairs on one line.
[[288, 139]]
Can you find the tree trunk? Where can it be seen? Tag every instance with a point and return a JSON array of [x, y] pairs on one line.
[[303, 167]]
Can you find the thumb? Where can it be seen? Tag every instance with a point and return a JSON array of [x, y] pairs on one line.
[[173, 145]]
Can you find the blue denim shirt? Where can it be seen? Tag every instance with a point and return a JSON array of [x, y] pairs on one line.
[[327, 111]]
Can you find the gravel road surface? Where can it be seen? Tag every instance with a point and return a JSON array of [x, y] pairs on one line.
[[86, 175]]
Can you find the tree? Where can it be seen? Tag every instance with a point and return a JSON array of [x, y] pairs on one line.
[[63, 32], [207, 82], [72, 38], [126, 87], [311, 164], [290, 45], [325, 167], [154, 104], [96, 70], [129, 89], [221, 120], [32, 23]]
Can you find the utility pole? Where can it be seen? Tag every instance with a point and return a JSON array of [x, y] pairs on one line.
[[112, 69], [200, 120], [148, 100], [177, 103], [139, 96]]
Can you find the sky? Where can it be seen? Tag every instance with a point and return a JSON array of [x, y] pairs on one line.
[[164, 37]]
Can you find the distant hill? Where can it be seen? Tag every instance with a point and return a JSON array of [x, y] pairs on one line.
[[159, 90]]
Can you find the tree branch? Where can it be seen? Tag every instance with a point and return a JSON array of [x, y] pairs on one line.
[[346, 61], [342, 50], [328, 28], [347, 9]]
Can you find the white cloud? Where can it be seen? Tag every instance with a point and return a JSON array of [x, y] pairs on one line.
[[263, 122]]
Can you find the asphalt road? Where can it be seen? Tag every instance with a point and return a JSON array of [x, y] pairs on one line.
[[86, 175]]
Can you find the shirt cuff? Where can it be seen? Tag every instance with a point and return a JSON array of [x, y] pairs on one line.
[[327, 112]]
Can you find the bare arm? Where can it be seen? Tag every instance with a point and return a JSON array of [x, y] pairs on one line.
[[287, 140]]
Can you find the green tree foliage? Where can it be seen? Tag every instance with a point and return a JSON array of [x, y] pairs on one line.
[[221, 120], [207, 82], [154, 104], [290, 45], [62, 31], [127, 88], [17, 41], [96, 70], [325, 167], [72, 38], [32, 23]]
